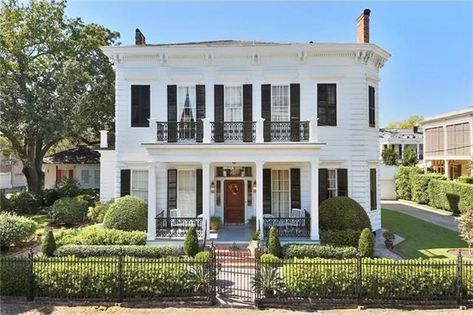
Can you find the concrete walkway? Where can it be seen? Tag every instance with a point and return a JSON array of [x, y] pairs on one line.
[[436, 216]]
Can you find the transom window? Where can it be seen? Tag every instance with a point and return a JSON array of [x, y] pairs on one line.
[[279, 103], [139, 184], [186, 194], [332, 183], [280, 201], [233, 103], [186, 110]]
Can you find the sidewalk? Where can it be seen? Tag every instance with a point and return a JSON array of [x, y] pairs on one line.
[[436, 216]]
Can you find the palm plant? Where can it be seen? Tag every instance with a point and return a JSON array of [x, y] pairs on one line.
[[199, 278], [269, 282]]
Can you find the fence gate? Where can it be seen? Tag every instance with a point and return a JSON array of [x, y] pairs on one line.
[[236, 268]]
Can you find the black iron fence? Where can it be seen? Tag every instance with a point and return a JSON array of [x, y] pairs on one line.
[[238, 131], [175, 131], [118, 278], [288, 226], [177, 227], [286, 131], [366, 281]]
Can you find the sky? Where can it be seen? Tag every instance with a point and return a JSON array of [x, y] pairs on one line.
[[430, 71]]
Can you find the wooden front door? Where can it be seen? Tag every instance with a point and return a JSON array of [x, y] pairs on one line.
[[234, 203]]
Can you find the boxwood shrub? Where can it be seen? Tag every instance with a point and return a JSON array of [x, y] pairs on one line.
[[128, 214], [347, 237], [451, 196], [342, 213], [68, 211], [116, 250], [318, 251], [97, 235], [15, 229]]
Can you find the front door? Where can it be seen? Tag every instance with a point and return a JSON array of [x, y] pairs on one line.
[[234, 203]]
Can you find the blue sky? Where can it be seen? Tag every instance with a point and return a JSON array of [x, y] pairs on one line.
[[430, 71]]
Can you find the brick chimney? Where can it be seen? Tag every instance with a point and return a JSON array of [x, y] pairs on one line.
[[139, 38], [363, 27]]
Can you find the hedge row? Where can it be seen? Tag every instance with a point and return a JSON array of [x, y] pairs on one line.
[[97, 235], [347, 237], [116, 250], [98, 277], [433, 189], [322, 251]]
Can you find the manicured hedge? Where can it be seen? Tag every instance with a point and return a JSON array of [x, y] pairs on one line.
[[403, 179], [13, 276], [128, 214], [321, 251], [342, 213], [451, 196], [15, 229], [68, 211], [340, 238], [116, 250], [98, 235], [419, 185]]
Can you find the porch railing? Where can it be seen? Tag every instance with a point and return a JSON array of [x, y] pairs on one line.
[[286, 131], [288, 226], [175, 131], [244, 131], [177, 227]]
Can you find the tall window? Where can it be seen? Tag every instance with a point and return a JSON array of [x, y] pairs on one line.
[[373, 196], [332, 183], [249, 193], [371, 106], [280, 103], [186, 104], [280, 202], [186, 194], [327, 104], [85, 177], [233, 103], [139, 184], [140, 105]]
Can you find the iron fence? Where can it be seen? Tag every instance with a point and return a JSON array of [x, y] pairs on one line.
[[117, 278], [179, 131], [177, 227], [238, 131], [288, 226], [286, 131]]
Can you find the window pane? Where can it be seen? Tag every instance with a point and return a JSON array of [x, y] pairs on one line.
[[279, 103], [249, 193], [233, 103], [186, 98], [97, 176], [84, 174], [187, 193], [139, 184], [280, 201]]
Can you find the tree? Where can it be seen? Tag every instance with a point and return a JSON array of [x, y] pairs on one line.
[[407, 123], [274, 245], [55, 83], [410, 157], [465, 225], [48, 247], [366, 243], [191, 243], [389, 156]]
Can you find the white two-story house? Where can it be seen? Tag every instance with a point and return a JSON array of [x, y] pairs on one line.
[[242, 129]]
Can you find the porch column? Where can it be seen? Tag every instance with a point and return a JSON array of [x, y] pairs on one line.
[[314, 200], [206, 197], [259, 197], [446, 169], [151, 235], [418, 151]]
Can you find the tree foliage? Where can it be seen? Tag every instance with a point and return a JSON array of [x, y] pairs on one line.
[[389, 156], [55, 83], [407, 123], [465, 225], [409, 158]]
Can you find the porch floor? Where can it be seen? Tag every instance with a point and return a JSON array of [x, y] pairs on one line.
[[232, 234]]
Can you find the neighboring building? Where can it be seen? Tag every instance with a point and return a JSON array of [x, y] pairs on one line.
[[242, 129], [401, 139], [80, 163], [11, 174], [448, 143]]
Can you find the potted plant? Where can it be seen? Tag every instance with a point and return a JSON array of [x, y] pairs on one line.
[[252, 223], [389, 239], [255, 237], [215, 223]]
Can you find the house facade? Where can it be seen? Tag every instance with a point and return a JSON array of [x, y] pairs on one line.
[[401, 139], [448, 143], [244, 130]]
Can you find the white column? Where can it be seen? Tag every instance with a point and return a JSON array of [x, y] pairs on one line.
[[153, 130], [314, 200], [402, 150], [418, 151], [151, 235], [259, 196], [207, 129], [103, 139], [259, 130], [446, 169], [313, 137], [206, 197]]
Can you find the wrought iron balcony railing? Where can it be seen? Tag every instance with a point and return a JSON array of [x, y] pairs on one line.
[[176, 131], [288, 227], [244, 131], [177, 227], [286, 131]]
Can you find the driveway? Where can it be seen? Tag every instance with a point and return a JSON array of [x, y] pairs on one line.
[[432, 215]]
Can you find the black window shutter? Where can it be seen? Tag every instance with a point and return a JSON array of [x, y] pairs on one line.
[[200, 110], [295, 188], [323, 184], [172, 113], [198, 191], [218, 112], [266, 110], [295, 111], [342, 182], [371, 106], [140, 105], [373, 195], [266, 191], [172, 190], [125, 177], [247, 113], [327, 104]]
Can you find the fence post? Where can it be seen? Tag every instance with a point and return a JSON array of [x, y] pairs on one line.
[[212, 275], [30, 277], [120, 278], [459, 277], [257, 287], [359, 277]]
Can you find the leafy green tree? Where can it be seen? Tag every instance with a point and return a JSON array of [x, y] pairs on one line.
[[389, 156], [465, 225], [48, 247], [407, 123], [55, 83], [409, 158]]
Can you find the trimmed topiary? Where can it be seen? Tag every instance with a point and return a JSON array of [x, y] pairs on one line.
[[15, 229], [128, 214], [274, 246], [48, 247], [342, 213], [366, 243], [191, 244]]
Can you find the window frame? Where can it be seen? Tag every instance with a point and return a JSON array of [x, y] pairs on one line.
[[327, 106], [288, 86], [178, 191], [180, 107], [288, 191], [134, 190], [334, 189], [82, 179], [373, 189], [142, 122], [225, 116], [371, 106]]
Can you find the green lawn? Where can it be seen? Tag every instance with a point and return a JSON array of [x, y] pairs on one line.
[[423, 239]]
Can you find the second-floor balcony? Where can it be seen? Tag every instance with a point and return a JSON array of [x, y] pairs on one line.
[[259, 131]]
